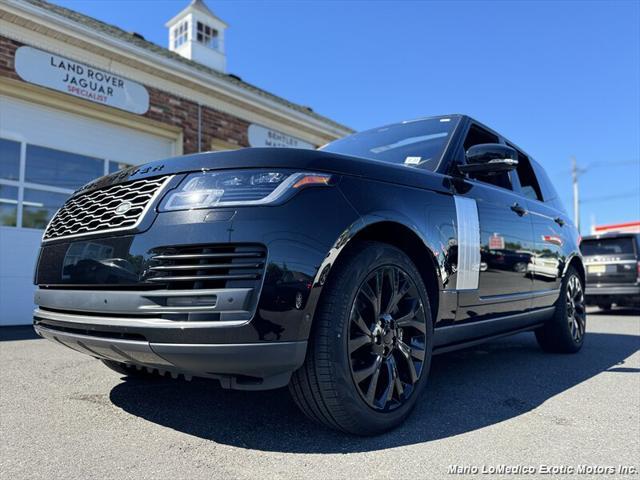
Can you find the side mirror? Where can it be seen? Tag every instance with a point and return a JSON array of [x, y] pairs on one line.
[[489, 159]]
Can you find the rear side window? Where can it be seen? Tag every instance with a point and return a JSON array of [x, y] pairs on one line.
[[607, 246]]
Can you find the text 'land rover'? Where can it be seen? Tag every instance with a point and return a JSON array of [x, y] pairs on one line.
[[338, 272]]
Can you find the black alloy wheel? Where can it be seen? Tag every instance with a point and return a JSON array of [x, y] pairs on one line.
[[369, 351], [566, 330], [576, 308], [386, 339]]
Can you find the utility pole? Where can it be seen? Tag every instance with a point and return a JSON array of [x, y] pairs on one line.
[[576, 194]]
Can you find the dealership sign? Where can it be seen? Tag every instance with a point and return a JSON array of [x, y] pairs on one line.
[[80, 80], [260, 136]]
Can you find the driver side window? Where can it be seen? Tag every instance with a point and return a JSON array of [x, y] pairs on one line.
[[477, 136], [529, 185]]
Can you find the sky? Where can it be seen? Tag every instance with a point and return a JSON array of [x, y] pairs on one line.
[[559, 79]]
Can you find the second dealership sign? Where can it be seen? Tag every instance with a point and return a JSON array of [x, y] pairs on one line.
[[80, 80]]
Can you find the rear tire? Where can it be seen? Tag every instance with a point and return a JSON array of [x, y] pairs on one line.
[[370, 347], [565, 331]]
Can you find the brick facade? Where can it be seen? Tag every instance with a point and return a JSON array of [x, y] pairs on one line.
[[165, 108]]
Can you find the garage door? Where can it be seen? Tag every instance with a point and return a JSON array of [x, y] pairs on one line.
[[45, 154]]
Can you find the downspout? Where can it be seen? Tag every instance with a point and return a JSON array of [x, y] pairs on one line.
[[199, 128]]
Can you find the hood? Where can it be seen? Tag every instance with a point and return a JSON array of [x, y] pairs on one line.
[[286, 158]]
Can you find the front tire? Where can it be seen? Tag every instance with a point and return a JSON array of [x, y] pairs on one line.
[[565, 331], [370, 349]]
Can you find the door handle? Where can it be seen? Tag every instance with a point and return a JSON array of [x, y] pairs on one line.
[[559, 221], [519, 209]]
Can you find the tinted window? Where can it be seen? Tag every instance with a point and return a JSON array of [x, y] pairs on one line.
[[9, 159], [477, 136], [607, 246], [417, 143], [548, 190], [529, 185], [60, 169]]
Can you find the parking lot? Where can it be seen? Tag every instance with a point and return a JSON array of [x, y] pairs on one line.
[[64, 415]]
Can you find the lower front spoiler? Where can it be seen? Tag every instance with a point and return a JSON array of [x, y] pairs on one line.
[[248, 366]]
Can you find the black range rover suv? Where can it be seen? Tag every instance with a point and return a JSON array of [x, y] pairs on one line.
[[338, 272], [613, 269]]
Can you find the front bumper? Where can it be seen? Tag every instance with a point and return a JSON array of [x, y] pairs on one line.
[[253, 366], [242, 330]]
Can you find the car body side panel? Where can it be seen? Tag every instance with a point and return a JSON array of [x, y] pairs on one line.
[[430, 215], [549, 253], [505, 245]]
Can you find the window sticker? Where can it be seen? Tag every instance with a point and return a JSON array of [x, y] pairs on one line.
[[412, 160]]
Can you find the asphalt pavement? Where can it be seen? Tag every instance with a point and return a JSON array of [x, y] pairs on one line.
[[504, 404]]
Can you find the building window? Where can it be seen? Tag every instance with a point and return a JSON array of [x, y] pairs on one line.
[[180, 34], [61, 169], [38, 206], [8, 205], [207, 35], [9, 159], [35, 181]]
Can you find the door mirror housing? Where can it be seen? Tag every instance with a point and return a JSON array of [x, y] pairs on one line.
[[489, 159]]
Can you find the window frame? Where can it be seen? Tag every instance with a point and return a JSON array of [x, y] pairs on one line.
[[180, 35], [208, 40], [23, 185]]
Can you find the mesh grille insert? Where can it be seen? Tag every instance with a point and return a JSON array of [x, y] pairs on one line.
[[97, 211]]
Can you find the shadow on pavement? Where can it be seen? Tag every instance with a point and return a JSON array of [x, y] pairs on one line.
[[18, 332], [468, 390]]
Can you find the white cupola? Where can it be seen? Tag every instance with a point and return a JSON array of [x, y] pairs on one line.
[[197, 34]]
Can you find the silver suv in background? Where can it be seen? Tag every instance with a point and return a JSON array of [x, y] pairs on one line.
[[613, 269]]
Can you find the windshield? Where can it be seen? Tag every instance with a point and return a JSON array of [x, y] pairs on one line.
[[418, 143], [607, 246]]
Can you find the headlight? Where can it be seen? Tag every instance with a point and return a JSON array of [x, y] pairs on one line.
[[230, 188]]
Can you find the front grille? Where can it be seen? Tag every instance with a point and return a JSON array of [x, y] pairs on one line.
[[207, 266], [96, 211]]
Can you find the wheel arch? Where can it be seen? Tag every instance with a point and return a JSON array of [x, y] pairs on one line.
[[575, 261], [412, 244]]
